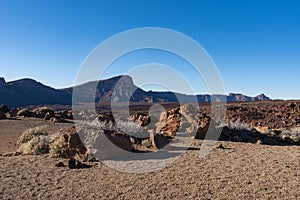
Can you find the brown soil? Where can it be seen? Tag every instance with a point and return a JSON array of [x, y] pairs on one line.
[[240, 171], [235, 171]]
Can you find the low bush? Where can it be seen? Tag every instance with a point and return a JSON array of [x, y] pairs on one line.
[[29, 134], [36, 146], [57, 145], [36, 141], [236, 125]]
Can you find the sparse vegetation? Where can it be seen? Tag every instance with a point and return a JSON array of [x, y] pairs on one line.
[[293, 134], [129, 127], [36, 141], [147, 143], [31, 133], [57, 145], [237, 125], [36, 146]]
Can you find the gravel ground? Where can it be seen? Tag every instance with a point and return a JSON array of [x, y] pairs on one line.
[[240, 171]]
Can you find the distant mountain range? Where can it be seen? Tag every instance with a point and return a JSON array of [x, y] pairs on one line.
[[26, 92]]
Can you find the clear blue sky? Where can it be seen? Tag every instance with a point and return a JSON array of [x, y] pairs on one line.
[[255, 44]]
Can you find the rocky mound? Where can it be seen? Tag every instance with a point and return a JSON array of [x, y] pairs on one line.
[[43, 112], [272, 114], [245, 123]]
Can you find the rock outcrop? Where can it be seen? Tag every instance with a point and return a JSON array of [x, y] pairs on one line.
[[4, 110], [74, 148], [141, 119], [41, 112], [26, 92], [169, 123], [25, 113]]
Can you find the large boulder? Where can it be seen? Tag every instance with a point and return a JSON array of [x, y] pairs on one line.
[[65, 114], [190, 118], [41, 112], [240, 134], [160, 141], [141, 119], [56, 119], [25, 113], [74, 148], [105, 142], [119, 139], [4, 109], [205, 123], [169, 123], [2, 115], [13, 112]]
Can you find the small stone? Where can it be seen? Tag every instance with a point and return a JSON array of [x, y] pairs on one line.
[[219, 146], [259, 142], [72, 164], [60, 164]]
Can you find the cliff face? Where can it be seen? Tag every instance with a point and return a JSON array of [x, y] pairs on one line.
[[232, 97], [117, 89]]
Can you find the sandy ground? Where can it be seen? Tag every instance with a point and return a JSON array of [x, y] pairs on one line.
[[240, 171]]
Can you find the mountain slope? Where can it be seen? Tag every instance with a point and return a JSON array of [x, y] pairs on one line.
[[117, 89], [30, 92]]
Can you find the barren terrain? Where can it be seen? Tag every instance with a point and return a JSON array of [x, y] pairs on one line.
[[236, 170], [241, 171]]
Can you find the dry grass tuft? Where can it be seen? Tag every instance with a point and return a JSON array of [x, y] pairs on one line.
[[57, 145], [293, 134], [35, 141], [29, 134], [36, 146]]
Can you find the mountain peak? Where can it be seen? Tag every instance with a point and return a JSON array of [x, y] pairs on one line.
[[117, 89], [25, 80], [125, 78], [2, 81], [262, 96]]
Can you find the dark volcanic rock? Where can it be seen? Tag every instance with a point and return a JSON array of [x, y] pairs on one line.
[[41, 112], [25, 113], [4, 109]]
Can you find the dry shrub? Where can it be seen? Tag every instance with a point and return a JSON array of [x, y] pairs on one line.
[[237, 125], [57, 145], [29, 134], [147, 143], [293, 134], [36, 146], [35, 141]]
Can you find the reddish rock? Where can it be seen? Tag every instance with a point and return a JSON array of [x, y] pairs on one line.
[[141, 119], [74, 147], [169, 123]]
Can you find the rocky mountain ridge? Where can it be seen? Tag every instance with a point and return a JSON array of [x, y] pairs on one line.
[[25, 92]]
